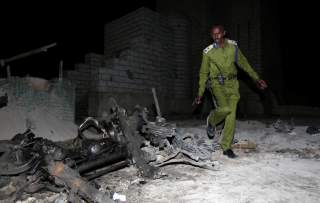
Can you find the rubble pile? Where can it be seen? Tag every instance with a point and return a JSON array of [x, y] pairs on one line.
[[30, 163], [43, 106]]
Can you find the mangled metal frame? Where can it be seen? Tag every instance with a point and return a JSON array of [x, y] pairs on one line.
[[42, 164]]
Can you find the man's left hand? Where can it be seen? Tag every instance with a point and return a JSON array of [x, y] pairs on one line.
[[261, 84], [197, 100]]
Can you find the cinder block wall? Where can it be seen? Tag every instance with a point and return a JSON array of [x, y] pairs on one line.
[[141, 44], [195, 14], [139, 52], [81, 78], [142, 49], [182, 53]]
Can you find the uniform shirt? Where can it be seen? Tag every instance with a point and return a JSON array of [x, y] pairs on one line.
[[225, 58]]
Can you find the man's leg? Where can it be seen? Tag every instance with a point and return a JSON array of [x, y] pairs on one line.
[[229, 126], [219, 114], [222, 109]]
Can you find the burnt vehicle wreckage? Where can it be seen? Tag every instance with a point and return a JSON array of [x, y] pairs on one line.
[[29, 163]]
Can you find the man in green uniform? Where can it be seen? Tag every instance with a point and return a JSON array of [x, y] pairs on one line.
[[219, 67]]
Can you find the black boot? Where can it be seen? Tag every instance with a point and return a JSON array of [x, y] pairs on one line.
[[211, 130], [230, 153]]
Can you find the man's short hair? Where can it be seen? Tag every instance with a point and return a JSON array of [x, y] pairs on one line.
[[221, 27]]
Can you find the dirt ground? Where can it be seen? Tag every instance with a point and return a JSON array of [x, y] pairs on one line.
[[285, 167]]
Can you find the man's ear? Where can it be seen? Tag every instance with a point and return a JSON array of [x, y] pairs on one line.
[[224, 33]]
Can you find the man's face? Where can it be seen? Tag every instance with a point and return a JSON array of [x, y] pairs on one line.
[[217, 34]]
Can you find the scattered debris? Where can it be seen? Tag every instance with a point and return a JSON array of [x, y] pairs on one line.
[[77, 185], [34, 163], [305, 153], [245, 145], [283, 126], [119, 197], [313, 130]]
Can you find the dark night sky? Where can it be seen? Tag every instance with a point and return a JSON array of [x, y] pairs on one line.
[[78, 29]]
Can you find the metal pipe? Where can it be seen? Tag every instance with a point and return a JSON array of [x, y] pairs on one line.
[[109, 169], [156, 101], [28, 53], [112, 158]]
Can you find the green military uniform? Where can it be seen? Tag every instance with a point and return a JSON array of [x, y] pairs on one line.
[[222, 61]]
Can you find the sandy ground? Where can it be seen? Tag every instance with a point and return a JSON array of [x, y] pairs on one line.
[[284, 168]]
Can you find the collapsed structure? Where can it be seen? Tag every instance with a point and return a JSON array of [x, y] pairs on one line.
[[46, 107], [30, 163]]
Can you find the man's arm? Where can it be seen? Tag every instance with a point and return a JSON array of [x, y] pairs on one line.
[[203, 74], [244, 65]]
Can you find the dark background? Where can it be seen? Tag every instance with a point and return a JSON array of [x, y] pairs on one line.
[[78, 29], [300, 51]]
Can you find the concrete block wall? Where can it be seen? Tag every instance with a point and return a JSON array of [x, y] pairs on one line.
[[62, 99], [142, 49], [142, 41], [81, 77], [196, 13], [93, 59], [182, 53], [119, 33]]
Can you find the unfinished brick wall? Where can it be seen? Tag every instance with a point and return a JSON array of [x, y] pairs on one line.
[[142, 49], [81, 77], [197, 15], [182, 53]]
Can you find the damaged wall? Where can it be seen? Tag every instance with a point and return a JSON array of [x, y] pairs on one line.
[[29, 92], [45, 107], [81, 77], [142, 49], [197, 13], [145, 49]]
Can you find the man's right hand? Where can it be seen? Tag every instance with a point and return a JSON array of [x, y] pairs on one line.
[[198, 100], [261, 84]]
